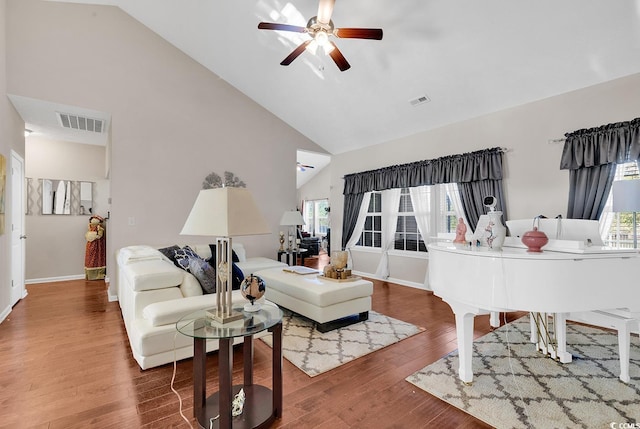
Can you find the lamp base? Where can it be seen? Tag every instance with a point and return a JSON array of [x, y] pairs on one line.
[[218, 314]]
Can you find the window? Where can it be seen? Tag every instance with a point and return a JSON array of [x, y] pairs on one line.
[[316, 217], [448, 220], [407, 235], [372, 232], [618, 227]]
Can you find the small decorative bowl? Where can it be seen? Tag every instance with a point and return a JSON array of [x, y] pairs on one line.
[[535, 240]]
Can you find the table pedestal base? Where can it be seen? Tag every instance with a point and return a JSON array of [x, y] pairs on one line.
[[257, 411]]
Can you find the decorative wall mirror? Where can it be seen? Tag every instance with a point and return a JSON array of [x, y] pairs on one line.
[[86, 198], [66, 197], [56, 196]]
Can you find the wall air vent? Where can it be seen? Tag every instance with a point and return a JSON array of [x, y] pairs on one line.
[[82, 123], [419, 100]]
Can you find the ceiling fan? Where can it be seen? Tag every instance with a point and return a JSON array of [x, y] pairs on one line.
[[303, 167], [320, 28]]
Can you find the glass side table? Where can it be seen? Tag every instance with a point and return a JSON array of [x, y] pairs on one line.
[[262, 405]]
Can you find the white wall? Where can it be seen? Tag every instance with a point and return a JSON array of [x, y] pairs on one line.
[[534, 184], [56, 244], [318, 188], [11, 138], [173, 121]]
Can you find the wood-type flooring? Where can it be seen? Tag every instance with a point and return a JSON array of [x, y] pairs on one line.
[[65, 362]]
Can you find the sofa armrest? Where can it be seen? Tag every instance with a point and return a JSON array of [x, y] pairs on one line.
[[252, 265], [153, 274], [168, 312]]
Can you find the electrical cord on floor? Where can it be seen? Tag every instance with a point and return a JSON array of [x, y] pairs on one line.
[[507, 331], [173, 377]]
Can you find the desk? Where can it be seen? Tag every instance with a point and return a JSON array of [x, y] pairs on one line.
[[262, 405], [294, 256]]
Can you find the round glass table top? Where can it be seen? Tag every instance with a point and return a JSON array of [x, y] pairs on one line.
[[199, 325]]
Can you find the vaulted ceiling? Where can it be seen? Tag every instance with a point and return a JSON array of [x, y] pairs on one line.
[[466, 58]]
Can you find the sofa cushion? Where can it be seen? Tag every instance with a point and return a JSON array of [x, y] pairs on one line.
[[153, 274], [190, 286], [133, 254]]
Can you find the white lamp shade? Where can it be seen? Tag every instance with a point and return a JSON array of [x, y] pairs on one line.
[[292, 218], [225, 212], [626, 196]]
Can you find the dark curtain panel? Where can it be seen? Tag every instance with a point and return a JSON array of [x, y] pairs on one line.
[[591, 156], [472, 195], [588, 191], [352, 204], [473, 167]]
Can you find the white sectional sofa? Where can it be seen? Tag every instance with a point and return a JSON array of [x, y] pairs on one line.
[[154, 294]]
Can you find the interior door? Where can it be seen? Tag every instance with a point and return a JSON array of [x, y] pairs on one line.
[[18, 236]]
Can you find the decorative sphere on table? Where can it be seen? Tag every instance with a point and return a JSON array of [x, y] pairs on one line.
[[252, 288]]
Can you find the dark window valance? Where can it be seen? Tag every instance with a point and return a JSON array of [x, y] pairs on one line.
[[469, 167], [613, 143]]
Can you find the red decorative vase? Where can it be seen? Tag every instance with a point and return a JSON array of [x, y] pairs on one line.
[[534, 240]]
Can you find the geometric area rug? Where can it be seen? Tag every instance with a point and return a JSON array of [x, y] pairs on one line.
[[514, 386], [315, 352]]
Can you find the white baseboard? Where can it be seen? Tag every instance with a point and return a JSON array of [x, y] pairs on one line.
[[394, 280], [5, 313], [54, 279]]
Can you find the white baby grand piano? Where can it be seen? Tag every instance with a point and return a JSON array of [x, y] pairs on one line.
[[577, 281]]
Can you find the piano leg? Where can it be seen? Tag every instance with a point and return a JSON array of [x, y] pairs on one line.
[[494, 319], [464, 330], [465, 316], [623, 349]]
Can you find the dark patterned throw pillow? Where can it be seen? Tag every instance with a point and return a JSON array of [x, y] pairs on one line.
[[182, 256], [204, 272], [170, 252]]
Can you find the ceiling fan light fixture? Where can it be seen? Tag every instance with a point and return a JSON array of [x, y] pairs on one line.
[[312, 47], [322, 38]]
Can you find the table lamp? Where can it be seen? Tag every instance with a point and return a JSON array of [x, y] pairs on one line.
[[224, 212], [291, 218], [626, 198]]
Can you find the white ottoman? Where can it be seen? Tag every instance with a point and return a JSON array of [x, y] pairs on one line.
[[331, 304]]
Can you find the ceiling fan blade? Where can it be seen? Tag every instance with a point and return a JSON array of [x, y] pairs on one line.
[[325, 9], [338, 58], [293, 55], [358, 33], [281, 27]]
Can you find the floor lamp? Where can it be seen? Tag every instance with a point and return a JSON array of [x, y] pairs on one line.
[[626, 198], [224, 213], [292, 218]]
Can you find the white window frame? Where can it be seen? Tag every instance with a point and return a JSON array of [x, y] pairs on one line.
[[374, 212], [313, 216], [436, 223], [610, 227]]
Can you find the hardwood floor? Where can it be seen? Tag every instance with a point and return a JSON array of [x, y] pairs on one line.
[[65, 363]]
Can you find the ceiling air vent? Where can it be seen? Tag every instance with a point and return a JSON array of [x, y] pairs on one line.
[[419, 100], [76, 122]]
